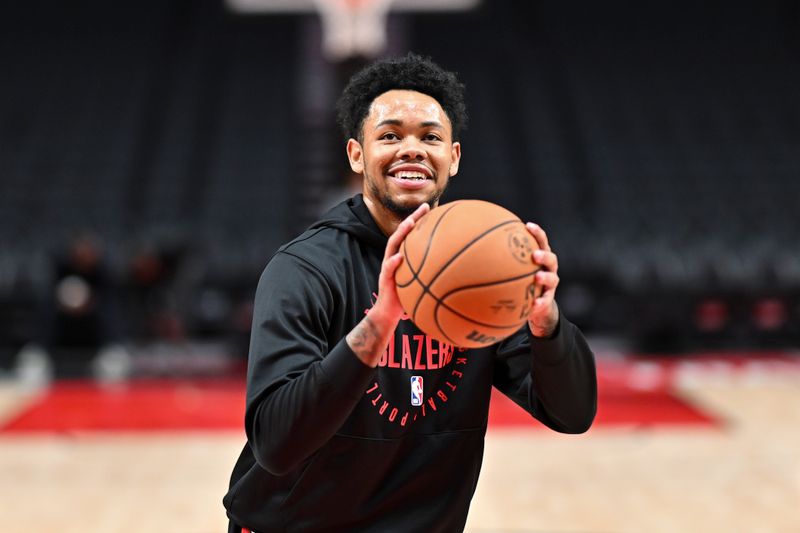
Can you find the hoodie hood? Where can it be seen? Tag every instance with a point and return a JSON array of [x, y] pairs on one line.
[[352, 216]]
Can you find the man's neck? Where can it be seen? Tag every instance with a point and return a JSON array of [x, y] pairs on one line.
[[385, 219]]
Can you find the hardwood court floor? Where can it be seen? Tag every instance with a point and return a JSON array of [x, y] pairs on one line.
[[741, 474]]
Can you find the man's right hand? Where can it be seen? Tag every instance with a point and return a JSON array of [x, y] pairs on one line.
[[370, 336]]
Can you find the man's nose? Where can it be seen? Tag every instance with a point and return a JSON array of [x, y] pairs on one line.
[[411, 149]]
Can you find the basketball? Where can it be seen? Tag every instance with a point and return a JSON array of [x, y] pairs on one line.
[[467, 276]]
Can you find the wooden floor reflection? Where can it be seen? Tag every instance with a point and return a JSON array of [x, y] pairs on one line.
[[740, 475]]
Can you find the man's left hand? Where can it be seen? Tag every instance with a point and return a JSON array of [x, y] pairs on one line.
[[543, 316]]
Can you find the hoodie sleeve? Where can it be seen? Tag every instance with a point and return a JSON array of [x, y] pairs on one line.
[[553, 379], [300, 389]]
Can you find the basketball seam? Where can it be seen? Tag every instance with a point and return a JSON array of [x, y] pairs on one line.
[[425, 255]]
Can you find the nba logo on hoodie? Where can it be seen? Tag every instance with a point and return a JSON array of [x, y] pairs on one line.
[[416, 390]]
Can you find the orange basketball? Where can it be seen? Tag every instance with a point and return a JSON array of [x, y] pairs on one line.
[[467, 276]]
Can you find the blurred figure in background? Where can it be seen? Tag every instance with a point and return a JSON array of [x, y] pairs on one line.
[[152, 280], [82, 295], [82, 331]]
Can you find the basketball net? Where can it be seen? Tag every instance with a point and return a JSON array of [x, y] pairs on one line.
[[353, 27]]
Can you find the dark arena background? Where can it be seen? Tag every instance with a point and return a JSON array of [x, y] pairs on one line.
[[154, 154]]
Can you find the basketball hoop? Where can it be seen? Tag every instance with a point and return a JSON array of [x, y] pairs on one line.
[[353, 27]]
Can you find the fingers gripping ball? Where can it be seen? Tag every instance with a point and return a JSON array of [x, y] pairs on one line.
[[467, 276]]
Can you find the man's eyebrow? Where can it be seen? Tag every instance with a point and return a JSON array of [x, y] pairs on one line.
[[398, 122], [389, 122]]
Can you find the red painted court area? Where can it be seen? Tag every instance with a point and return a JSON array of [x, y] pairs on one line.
[[632, 393], [638, 394], [152, 405]]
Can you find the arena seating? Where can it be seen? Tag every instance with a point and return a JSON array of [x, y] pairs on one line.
[[658, 148]]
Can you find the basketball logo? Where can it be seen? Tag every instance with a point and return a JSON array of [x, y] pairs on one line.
[[519, 244]]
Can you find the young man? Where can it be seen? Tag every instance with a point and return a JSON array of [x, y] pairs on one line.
[[356, 421]]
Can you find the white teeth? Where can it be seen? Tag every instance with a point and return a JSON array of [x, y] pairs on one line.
[[410, 175]]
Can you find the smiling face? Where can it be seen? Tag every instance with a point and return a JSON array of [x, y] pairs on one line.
[[406, 154]]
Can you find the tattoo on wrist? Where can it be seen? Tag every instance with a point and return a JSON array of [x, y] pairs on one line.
[[363, 338]]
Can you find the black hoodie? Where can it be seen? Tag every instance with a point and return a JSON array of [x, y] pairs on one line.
[[334, 445]]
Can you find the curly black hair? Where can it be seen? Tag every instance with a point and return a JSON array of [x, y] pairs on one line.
[[412, 72]]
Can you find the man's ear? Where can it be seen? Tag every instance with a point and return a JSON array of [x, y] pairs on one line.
[[356, 156], [455, 158]]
